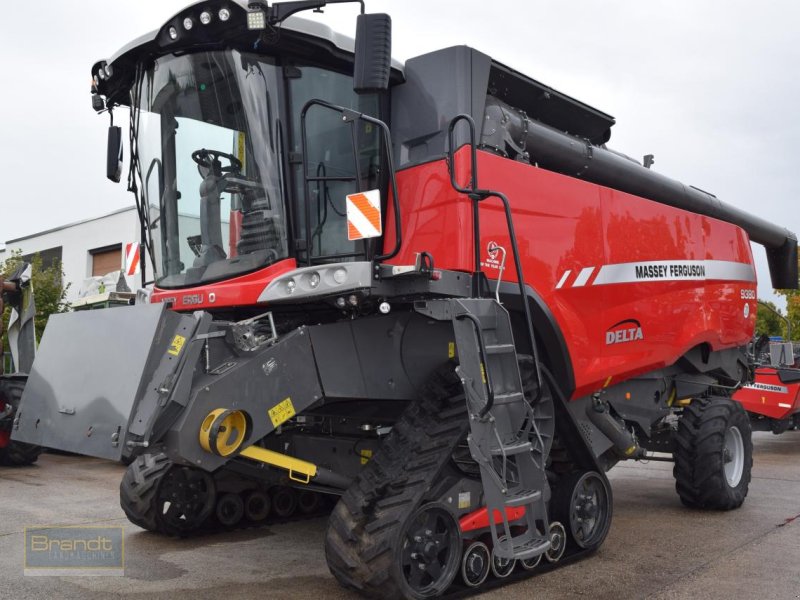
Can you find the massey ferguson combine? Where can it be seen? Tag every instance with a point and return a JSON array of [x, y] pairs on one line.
[[772, 399], [428, 289]]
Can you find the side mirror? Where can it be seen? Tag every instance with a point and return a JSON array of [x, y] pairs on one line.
[[373, 54], [114, 155]]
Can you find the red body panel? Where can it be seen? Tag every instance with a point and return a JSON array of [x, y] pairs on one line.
[[769, 396], [567, 230], [238, 291], [479, 519], [580, 244]]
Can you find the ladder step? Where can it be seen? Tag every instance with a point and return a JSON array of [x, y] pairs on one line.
[[524, 548], [516, 447], [508, 398], [500, 349], [523, 497]]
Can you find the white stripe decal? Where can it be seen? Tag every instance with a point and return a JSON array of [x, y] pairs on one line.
[[784, 405], [563, 279], [675, 270], [583, 277]]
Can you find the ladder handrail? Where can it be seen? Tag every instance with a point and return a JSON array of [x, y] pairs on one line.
[[478, 195]]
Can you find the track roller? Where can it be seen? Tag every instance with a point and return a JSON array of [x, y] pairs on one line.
[[230, 509], [284, 501], [257, 506], [502, 567], [558, 542], [475, 564], [308, 502]]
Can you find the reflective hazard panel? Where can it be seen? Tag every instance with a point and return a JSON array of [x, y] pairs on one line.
[[364, 215]]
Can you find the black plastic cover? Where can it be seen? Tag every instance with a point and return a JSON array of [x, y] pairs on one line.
[[373, 53]]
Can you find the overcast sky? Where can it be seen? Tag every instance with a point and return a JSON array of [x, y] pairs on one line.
[[710, 87]]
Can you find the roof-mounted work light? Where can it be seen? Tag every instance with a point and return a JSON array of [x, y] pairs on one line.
[[257, 15]]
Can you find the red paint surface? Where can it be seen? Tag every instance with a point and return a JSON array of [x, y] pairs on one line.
[[479, 519], [766, 402], [563, 224]]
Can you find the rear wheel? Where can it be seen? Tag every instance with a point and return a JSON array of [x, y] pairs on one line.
[[158, 495], [713, 454], [15, 453]]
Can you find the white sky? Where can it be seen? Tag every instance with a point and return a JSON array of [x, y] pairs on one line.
[[710, 87]]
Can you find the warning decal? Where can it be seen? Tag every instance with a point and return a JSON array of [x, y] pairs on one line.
[[364, 215], [131, 266]]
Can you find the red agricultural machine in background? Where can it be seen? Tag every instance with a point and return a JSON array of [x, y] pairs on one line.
[[772, 399], [427, 291], [16, 292]]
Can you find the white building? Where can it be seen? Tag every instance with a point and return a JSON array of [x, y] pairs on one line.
[[89, 248]]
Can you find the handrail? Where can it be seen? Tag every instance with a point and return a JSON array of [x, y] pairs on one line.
[[350, 116], [478, 195]]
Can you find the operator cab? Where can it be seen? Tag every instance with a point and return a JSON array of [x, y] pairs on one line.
[[227, 185]]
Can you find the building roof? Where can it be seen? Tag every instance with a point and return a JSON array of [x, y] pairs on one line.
[[68, 225]]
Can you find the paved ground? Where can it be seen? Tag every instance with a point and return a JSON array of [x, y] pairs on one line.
[[656, 549]]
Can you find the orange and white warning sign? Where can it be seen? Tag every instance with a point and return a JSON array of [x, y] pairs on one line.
[[131, 259], [364, 215]]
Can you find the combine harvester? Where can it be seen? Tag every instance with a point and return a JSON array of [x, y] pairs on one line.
[[773, 398], [427, 289]]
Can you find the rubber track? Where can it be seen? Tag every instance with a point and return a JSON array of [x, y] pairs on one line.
[[699, 468], [16, 453], [138, 489], [362, 538]]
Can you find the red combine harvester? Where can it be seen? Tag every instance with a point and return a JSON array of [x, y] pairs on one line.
[[773, 398], [428, 291]]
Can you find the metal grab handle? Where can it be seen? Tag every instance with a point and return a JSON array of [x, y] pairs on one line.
[[350, 116]]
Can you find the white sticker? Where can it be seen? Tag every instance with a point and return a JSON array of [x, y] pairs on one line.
[[464, 500]]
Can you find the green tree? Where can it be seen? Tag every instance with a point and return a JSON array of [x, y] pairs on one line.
[[48, 287], [768, 319]]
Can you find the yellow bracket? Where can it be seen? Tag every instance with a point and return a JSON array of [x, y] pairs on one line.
[[299, 470]]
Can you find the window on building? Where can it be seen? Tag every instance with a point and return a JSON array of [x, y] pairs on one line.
[[106, 259], [49, 257]]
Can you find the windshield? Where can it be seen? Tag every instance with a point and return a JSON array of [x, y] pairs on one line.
[[210, 157]]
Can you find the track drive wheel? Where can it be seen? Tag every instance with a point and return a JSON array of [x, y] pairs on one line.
[[582, 502], [160, 496], [16, 453], [713, 454]]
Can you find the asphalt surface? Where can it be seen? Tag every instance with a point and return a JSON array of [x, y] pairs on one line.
[[657, 549]]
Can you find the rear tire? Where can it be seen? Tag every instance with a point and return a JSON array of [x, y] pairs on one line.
[[16, 454], [713, 454], [147, 495]]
